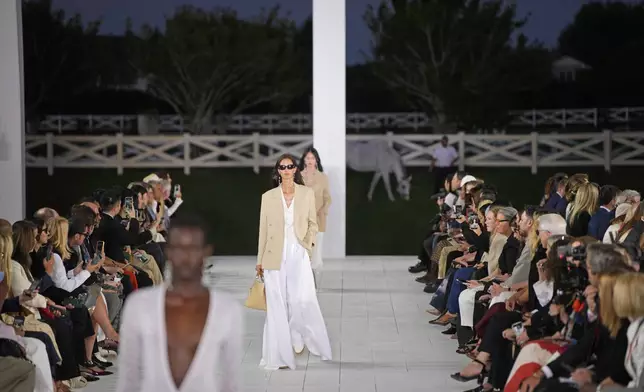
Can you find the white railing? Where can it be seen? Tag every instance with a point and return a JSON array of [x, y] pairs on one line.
[[562, 118], [187, 151]]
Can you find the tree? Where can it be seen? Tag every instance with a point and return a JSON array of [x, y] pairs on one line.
[[454, 59], [57, 52], [609, 38], [210, 63]]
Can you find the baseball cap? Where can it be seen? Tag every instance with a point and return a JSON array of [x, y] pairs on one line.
[[468, 178]]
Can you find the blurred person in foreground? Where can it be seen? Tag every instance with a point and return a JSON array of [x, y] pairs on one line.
[[184, 336]]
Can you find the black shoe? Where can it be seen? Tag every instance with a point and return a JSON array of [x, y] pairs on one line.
[[101, 364], [425, 279], [419, 267], [431, 288], [89, 377], [450, 331]]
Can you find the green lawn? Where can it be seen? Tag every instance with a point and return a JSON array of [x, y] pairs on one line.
[[229, 200]]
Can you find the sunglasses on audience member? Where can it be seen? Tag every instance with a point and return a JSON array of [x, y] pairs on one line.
[[287, 167]]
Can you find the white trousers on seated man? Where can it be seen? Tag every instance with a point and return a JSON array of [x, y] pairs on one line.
[[37, 353], [466, 302]]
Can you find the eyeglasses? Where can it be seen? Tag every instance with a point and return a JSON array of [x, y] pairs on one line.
[[286, 167]]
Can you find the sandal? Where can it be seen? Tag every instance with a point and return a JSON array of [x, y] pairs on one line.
[[461, 378], [465, 349]]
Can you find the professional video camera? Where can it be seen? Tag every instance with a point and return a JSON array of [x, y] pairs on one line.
[[576, 253], [574, 277]]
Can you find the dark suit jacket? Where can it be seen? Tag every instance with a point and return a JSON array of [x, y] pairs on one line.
[[116, 237], [600, 222], [596, 342]]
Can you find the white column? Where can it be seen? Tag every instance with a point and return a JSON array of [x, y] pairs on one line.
[[12, 146], [329, 113]]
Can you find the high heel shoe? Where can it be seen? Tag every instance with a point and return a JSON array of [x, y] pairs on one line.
[[461, 378]]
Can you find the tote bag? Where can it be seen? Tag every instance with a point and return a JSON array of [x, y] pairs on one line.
[[256, 295]]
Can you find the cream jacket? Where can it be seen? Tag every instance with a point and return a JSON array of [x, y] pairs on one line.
[[319, 182], [271, 225]]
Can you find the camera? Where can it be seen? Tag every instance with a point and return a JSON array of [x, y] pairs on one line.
[[577, 253]]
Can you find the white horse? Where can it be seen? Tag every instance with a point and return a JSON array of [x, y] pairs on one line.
[[377, 156]]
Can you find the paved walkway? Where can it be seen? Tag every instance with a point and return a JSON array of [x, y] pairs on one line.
[[375, 315]]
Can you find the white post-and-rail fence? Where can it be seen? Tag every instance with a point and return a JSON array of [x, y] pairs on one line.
[[555, 118], [604, 149]]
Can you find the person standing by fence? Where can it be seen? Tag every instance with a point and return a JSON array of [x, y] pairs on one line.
[[444, 157]]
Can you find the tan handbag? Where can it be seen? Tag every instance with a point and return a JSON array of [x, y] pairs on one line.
[[256, 295]]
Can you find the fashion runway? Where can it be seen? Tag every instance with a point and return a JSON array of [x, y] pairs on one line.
[[376, 319]]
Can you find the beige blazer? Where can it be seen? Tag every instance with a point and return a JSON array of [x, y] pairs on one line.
[[319, 182], [271, 225]]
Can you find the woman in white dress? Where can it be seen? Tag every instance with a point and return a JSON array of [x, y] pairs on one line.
[[314, 177], [287, 230]]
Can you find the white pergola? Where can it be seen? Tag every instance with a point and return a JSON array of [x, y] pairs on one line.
[[329, 112]]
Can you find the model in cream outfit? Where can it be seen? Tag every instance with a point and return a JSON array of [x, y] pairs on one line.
[[314, 178], [287, 232]]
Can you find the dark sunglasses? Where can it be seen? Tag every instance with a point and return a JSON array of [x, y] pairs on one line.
[[286, 167]]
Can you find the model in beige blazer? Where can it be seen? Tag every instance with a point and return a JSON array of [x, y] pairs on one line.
[[319, 182], [271, 225]]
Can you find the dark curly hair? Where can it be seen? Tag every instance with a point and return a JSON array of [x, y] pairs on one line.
[[277, 179]]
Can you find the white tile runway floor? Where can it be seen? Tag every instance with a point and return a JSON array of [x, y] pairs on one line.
[[375, 315]]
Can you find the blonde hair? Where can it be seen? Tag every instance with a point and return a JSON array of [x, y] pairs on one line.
[[6, 250], [533, 238], [586, 200], [572, 185], [624, 296], [58, 228]]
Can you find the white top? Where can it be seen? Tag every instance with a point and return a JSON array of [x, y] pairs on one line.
[[444, 156], [62, 280], [451, 199], [20, 283], [143, 357], [634, 361], [612, 229]]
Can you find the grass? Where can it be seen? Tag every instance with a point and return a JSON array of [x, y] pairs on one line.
[[229, 200]]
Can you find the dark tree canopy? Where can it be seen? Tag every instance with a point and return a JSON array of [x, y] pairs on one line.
[[207, 63], [609, 37], [58, 54], [455, 60]]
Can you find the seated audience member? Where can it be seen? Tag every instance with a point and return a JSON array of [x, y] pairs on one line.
[[5, 227], [556, 191], [616, 223], [115, 235], [633, 227], [24, 239], [46, 214], [581, 209], [32, 349], [59, 229], [604, 263], [628, 196], [172, 195], [600, 221]]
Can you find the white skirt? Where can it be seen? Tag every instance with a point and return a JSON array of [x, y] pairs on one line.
[[466, 302], [317, 262], [293, 316]]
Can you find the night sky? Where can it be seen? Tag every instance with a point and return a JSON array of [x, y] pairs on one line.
[[547, 17]]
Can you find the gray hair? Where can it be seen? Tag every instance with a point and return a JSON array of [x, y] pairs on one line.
[[606, 259], [46, 214], [627, 196], [508, 213], [555, 224]]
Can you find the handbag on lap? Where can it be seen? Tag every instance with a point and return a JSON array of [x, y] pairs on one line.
[[256, 295]]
